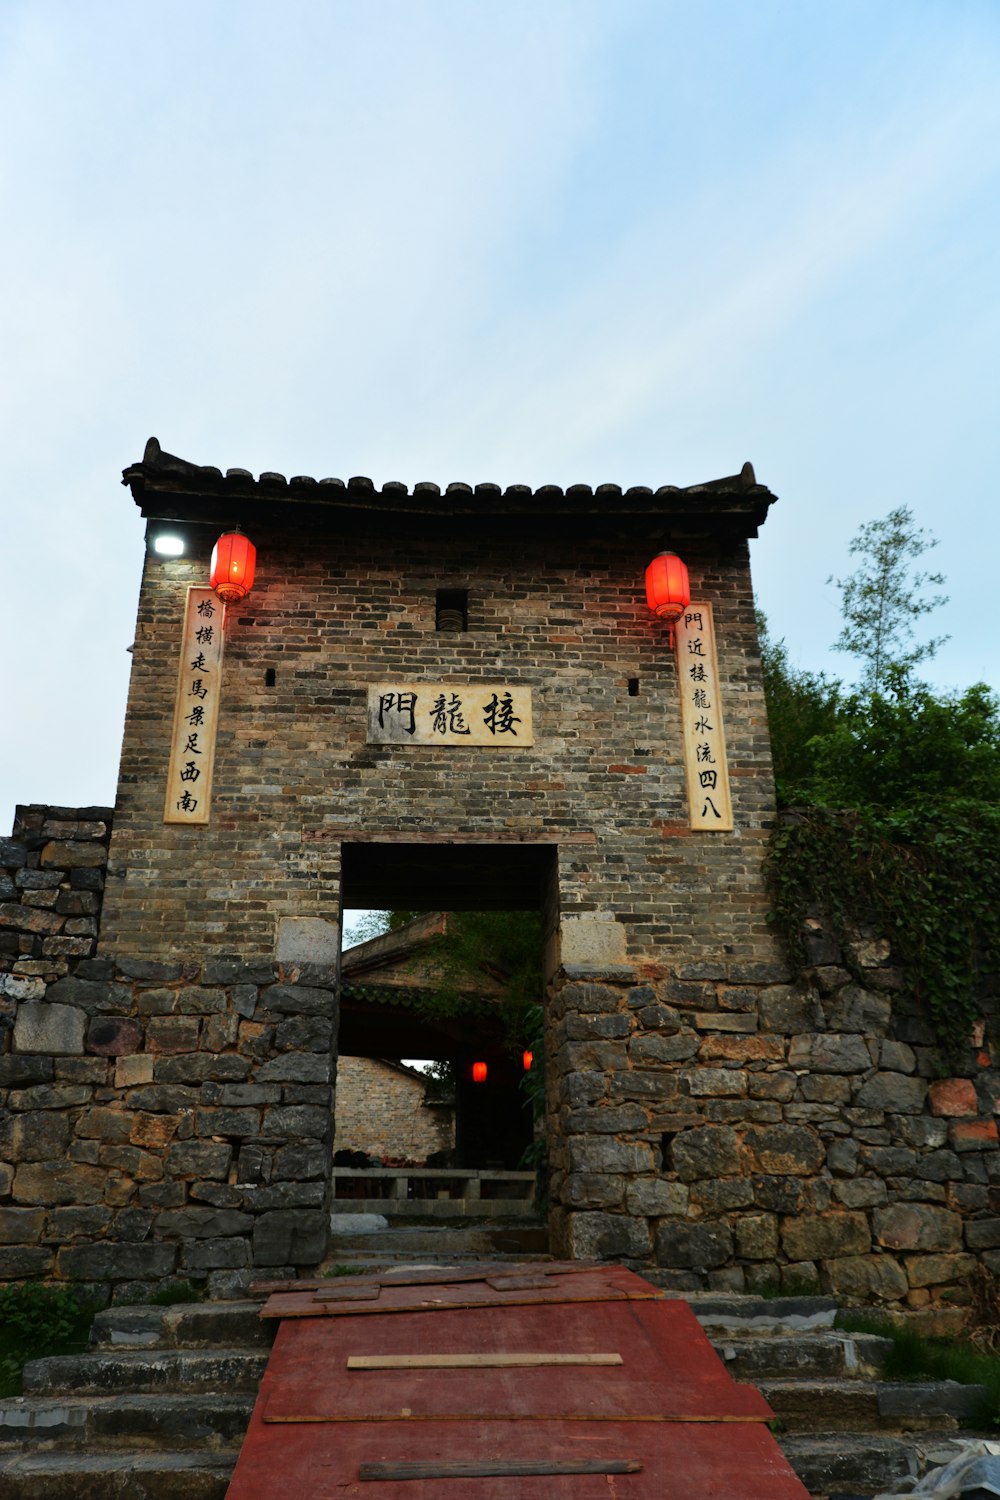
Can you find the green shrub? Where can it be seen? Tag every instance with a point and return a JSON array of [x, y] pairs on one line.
[[172, 1292], [37, 1320], [165, 1295]]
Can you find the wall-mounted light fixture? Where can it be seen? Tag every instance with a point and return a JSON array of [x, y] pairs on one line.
[[668, 590], [234, 561], [168, 544]]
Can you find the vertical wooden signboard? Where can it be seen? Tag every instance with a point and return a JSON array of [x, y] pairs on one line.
[[196, 711], [701, 720]]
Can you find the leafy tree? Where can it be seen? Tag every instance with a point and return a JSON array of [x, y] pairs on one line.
[[505, 946], [800, 707], [882, 598], [905, 791], [908, 747], [369, 924]]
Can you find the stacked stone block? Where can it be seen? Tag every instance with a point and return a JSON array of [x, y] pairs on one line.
[[168, 1119], [156, 1119], [51, 887], [741, 1132], [714, 1120]]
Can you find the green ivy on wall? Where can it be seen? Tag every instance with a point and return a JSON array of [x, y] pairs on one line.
[[927, 879]]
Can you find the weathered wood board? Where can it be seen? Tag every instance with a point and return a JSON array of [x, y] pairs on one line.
[[491, 714], [679, 1461], [705, 763], [454, 1394], [613, 1283], [188, 795], [668, 1372]]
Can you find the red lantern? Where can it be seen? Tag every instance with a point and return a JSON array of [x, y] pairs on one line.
[[668, 590], [234, 558], [479, 1072], [528, 1059]]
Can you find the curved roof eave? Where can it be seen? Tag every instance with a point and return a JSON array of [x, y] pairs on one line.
[[169, 488]]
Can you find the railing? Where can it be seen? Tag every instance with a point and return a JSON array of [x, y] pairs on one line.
[[432, 1192]]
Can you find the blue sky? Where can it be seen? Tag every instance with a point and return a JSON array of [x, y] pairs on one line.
[[530, 242]]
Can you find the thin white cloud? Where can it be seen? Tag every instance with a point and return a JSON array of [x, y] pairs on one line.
[[446, 241], [640, 339]]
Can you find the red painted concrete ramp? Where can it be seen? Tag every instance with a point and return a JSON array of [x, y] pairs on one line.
[[558, 1380]]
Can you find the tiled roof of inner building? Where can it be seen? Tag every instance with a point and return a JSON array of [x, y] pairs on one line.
[[165, 486]]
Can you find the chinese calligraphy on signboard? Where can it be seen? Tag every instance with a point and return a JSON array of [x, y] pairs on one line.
[[196, 711], [701, 720], [436, 713]]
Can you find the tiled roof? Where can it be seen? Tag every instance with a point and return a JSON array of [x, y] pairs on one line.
[[167, 487]]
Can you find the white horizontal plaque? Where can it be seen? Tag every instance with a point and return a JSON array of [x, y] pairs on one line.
[[447, 713]]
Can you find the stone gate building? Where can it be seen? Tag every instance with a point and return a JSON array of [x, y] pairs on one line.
[[452, 699]]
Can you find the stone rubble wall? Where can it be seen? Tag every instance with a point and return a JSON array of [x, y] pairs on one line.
[[740, 1131], [715, 1120], [156, 1119], [52, 871], [381, 1111]]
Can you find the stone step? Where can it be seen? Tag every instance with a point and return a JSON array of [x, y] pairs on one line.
[[210, 1422], [873, 1406], [199, 1325], [116, 1476], [455, 1241], [864, 1465], [362, 1263], [158, 1380], [145, 1370], [755, 1357], [750, 1314]]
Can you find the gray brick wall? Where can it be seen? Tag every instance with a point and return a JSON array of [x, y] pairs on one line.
[[329, 616]]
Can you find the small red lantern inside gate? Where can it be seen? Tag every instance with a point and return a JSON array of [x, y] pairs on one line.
[[528, 1058], [479, 1072], [668, 589], [234, 560]]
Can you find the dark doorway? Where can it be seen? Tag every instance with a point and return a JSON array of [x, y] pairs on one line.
[[484, 1057], [453, 875]]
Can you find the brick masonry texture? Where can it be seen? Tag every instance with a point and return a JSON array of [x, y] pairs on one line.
[[381, 1111], [329, 617]]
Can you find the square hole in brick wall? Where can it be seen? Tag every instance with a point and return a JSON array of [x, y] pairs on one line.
[[451, 610]]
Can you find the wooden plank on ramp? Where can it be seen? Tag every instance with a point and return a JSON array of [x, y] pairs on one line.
[[478, 1393], [487, 1289]]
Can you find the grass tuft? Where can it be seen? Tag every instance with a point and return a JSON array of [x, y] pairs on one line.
[[913, 1356]]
